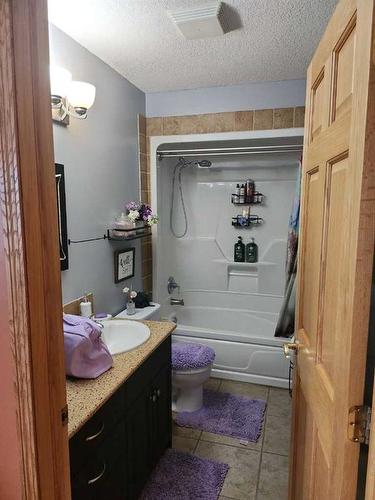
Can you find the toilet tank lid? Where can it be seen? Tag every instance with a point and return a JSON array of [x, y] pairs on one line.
[[145, 313]]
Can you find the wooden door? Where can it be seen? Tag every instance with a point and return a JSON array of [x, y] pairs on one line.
[[336, 255]]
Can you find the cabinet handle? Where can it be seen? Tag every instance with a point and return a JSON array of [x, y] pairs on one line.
[[93, 480], [94, 436]]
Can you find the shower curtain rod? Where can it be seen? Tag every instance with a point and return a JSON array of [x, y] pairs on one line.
[[288, 148]]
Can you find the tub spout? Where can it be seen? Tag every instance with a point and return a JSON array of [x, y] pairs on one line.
[[177, 302]]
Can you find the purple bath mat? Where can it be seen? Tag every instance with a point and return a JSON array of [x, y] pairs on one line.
[[228, 414], [181, 476]]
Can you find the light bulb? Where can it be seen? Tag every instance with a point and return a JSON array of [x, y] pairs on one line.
[[81, 96], [60, 81]]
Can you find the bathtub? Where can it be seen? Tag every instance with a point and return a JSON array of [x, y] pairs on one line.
[[242, 336]]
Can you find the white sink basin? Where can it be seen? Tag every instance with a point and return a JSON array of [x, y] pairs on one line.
[[124, 335]]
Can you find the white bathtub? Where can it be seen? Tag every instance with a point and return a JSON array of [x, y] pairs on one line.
[[242, 337]]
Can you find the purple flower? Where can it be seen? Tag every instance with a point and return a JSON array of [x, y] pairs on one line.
[[132, 205], [145, 211]]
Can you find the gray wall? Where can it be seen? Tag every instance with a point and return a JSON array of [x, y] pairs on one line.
[[101, 171], [259, 95]]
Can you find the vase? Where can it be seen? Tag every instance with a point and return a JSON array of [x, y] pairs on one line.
[[130, 307], [140, 226]]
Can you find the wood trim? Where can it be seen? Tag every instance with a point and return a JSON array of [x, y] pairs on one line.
[[28, 205], [13, 251]]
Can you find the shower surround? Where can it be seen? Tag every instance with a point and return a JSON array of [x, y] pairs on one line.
[[232, 307], [236, 121]]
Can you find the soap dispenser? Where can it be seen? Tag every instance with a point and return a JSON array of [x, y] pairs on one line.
[[252, 251], [239, 251], [85, 307]]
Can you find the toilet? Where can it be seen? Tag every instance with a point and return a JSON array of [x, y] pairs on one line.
[[191, 368], [151, 312]]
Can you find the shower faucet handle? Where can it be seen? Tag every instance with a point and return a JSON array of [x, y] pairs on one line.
[[172, 285]]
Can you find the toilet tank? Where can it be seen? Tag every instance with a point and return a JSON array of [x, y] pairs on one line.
[[151, 312]]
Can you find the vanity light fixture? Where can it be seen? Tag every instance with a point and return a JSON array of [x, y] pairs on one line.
[[68, 97]]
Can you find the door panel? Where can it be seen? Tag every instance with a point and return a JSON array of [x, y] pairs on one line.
[[335, 260], [334, 268], [314, 212], [317, 105], [343, 70]]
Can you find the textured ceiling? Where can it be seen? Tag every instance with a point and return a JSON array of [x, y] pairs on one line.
[[274, 41]]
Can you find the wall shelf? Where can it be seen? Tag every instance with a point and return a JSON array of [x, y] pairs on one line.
[[128, 234], [257, 199], [243, 222]]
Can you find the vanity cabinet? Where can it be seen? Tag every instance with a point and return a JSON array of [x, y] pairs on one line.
[[114, 453]]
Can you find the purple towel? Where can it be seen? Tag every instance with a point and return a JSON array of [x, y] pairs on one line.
[[186, 355]]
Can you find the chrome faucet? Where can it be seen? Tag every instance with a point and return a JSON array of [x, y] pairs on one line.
[[172, 285], [177, 302]]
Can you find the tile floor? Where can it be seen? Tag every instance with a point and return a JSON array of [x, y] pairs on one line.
[[258, 471]]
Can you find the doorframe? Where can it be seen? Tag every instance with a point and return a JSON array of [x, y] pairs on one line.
[[29, 248]]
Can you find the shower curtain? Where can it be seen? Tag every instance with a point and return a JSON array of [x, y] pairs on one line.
[[285, 324]]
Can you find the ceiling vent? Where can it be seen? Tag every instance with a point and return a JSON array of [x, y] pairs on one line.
[[205, 21]]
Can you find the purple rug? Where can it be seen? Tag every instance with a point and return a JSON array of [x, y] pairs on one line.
[[228, 414], [181, 476]]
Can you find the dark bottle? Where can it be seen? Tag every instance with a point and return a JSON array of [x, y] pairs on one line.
[[239, 251], [249, 191], [252, 251]]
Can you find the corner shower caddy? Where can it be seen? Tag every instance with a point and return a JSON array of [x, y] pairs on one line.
[[245, 222]]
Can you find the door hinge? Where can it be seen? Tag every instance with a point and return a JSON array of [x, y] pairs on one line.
[[359, 424], [65, 415]]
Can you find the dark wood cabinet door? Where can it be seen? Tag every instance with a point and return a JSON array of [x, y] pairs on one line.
[[138, 437], [161, 413], [108, 482]]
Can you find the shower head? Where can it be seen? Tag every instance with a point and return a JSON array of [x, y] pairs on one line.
[[204, 164]]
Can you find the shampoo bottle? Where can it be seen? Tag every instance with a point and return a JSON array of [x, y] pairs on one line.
[[236, 198], [239, 251], [242, 194], [252, 251]]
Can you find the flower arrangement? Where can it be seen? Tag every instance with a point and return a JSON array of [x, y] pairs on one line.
[[138, 211], [129, 292], [130, 295]]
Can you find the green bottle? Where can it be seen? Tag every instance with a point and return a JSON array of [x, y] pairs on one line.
[[239, 251], [252, 251]]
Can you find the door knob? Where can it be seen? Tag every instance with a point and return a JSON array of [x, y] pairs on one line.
[[288, 347]]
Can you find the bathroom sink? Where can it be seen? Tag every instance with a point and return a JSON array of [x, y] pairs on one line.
[[124, 335]]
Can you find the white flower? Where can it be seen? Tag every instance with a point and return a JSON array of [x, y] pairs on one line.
[[125, 290], [152, 219], [133, 295], [133, 215]]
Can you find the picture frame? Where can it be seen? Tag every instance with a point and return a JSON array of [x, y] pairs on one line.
[[124, 264]]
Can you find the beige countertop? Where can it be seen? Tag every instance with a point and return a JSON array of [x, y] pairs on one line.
[[86, 396]]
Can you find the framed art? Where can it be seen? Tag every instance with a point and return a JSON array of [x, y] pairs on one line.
[[124, 264], [61, 216]]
